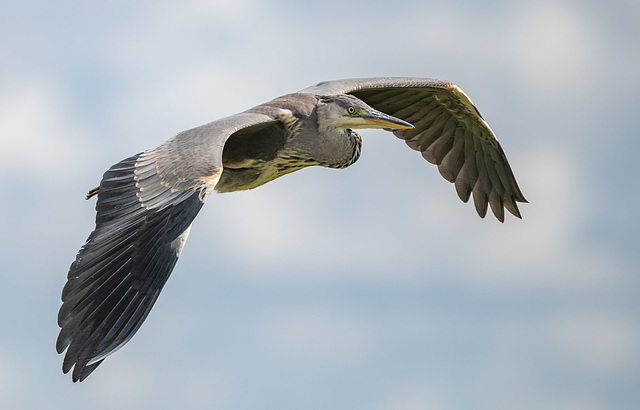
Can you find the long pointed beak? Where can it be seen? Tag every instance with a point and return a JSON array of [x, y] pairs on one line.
[[378, 119]]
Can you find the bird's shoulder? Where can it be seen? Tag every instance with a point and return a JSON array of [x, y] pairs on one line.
[[300, 105]]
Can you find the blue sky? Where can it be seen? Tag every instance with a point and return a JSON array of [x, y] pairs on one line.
[[372, 287]]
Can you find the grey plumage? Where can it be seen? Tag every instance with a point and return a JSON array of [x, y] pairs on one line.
[[147, 203]]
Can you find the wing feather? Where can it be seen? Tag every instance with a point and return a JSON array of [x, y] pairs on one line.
[[453, 162], [146, 205], [470, 162], [444, 143]]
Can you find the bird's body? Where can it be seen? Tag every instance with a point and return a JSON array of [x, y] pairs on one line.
[[253, 159], [147, 202]]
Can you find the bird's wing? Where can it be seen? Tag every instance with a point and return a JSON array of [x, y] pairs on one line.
[[449, 132], [146, 204]]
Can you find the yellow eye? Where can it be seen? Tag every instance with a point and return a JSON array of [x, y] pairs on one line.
[[351, 110]]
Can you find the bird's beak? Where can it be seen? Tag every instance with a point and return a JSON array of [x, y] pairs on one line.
[[377, 119]]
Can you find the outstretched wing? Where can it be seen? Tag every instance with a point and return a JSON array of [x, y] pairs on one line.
[[449, 132], [146, 204]]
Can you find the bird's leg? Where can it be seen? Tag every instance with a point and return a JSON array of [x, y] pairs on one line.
[[93, 192]]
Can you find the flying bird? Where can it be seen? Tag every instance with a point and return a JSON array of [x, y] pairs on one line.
[[147, 202]]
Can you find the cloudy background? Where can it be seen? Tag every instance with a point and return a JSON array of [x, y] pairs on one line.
[[368, 288]]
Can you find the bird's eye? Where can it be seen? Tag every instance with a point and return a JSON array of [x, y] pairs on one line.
[[351, 110]]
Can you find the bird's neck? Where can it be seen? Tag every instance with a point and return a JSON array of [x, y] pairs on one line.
[[343, 144]]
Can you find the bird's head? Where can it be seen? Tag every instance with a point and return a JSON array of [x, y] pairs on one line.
[[345, 111]]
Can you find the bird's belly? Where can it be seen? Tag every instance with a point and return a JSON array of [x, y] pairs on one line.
[[240, 179]]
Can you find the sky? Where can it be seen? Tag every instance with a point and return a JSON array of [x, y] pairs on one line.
[[373, 287]]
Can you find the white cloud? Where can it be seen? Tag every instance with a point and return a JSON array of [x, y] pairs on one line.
[[11, 380], [598, 342], [542, 249], [132, 379], [317, 339], [581, 401], [554, 46], [38, 138], [417, 396]]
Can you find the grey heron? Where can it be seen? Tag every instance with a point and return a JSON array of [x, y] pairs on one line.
[[147, 202]]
